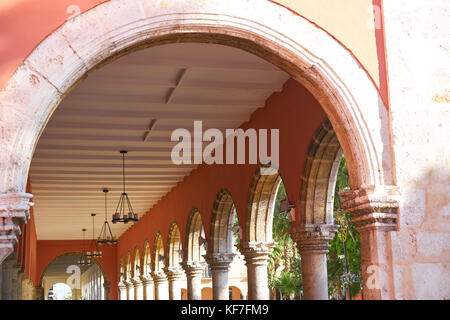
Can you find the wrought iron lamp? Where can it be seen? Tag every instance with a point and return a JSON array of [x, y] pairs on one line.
[[124, 205], [106, 236], [85, 260], [94, 251]]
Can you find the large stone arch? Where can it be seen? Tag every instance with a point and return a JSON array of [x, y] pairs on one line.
[[136, 263], [260, 205], [317, 60], [174, 248], [220, 238], [194, 234], [316, 203], [146, 259], [158, 253], [98, 36]]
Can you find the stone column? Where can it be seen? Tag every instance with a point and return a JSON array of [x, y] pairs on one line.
[[122, 290], [256, 256], [14, 210], [149, 289], [194, 274], [374, 210], [175, 275], [138, 289], [313, 241], [19, 283], [7, 277], [107, 290], [15, 281], [161, 285], [220, 265], [130, 289], [39, 293]]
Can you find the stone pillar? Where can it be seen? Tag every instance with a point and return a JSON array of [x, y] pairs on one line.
[[19, 283], [175, 275], [256, 256], [374, 210], [161, 285], [7, 275], [39, 293], [220, 265], [15, 281], [14, 210], [138, 289], [122, 290], [130, 289], [1, 280], [313, 241], [194, 274], [149, 289], [107, 290]]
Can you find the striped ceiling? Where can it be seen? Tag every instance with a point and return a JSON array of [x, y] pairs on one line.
[[78, 152]]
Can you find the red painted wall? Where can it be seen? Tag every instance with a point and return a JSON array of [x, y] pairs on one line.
[[294, 111], [50, 249]]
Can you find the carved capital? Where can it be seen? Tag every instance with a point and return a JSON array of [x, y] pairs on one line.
[[146, 279], [159, 276], [193, 268], [219, 261], [174, 272], [256, 252], [14, 210], [313, 238], [372, 206]]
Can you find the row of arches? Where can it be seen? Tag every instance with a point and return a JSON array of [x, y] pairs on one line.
[[217, 249]]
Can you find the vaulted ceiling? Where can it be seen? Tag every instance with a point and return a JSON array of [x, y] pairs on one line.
[[134, 104]]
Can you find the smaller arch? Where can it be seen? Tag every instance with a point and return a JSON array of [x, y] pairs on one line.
[[221, 237], [99, 265], [146, 257], [128, 267], [195, 234], [121, 270], [260, 205], [318, 182], [174, 248], [158, 253], [136, 263]]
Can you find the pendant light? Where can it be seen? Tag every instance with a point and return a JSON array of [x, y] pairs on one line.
[[106, 236], [124, 211], [94, 251], [85, 260]]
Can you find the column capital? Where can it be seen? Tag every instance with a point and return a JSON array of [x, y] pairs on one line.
[[159, 276], [121, 285], [256, 252], [372, 206], [193, 268], [313, 238], [136, 281], [218, 260], [174, 272], [146, 278], [14, 210]]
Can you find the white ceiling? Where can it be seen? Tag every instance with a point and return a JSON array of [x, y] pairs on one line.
[[78, 152]]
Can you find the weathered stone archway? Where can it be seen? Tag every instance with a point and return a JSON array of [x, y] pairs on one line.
[[220, 243], [302, 49], [193, 260]]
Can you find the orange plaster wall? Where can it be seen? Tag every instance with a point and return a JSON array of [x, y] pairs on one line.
[[50, 249], [25, 23], [294, 111]]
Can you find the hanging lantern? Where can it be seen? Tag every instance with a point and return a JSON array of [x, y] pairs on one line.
[[124, 211], [106, 236], [94, 251], [84, 260]]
